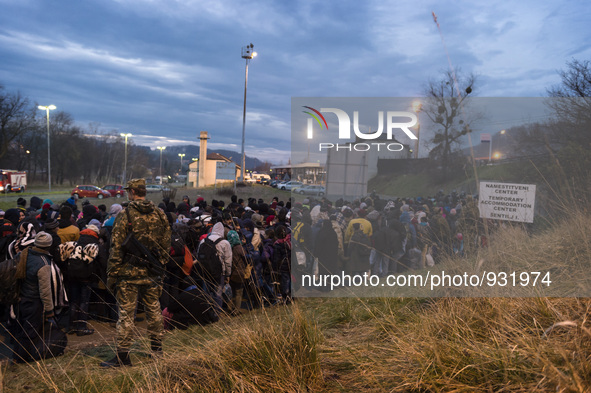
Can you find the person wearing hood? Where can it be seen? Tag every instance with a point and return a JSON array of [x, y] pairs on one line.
[[113, 211], [88, 213], [8, 224], [21, 204], [67, 231], [224, 251], [130, 278], [183, 209], [34, 206], [25, 238]]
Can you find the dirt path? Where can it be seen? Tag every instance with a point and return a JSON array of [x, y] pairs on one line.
[[104, 334]]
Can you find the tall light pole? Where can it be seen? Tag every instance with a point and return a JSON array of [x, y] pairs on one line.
[[417, 106], [125, 164], [161, 148], [47, 109], [181, 155], [248, 54]]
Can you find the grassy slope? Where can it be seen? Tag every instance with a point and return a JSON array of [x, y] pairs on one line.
[[374, 344], [423, 184]]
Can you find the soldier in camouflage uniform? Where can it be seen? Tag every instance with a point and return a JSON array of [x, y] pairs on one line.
[[128, 279]]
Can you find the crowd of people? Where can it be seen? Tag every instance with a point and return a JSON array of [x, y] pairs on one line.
[[221, 259]]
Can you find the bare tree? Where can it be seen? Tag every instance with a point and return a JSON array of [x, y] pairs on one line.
[[16, 117], [445, 99], [571, 103]]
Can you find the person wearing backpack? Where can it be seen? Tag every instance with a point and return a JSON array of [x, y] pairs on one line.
[[82, 260], [359, 249], [214, 257], [241, 270], [42, 295]]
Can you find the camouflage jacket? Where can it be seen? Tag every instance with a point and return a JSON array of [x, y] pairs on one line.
[[150, 227]]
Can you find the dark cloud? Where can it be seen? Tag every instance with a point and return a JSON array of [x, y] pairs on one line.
[[161, 69]]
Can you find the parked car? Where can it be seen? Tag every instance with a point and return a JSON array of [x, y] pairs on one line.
[[310, 190], [274, 183], [116, 190], [153, 187], [90, 192], [289, 185]]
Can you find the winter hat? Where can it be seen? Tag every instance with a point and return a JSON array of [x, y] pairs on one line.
[[269, 220], [12, 215], [233, 238], [36, 202], [21, 202], [1, 213], [71, 201], [43, 240], [93, 228], [51, 224], [88, 211], [95, 222], [52, 215], [115, 209], [46, 206], [257, 219], [248, 224], [373, 215]]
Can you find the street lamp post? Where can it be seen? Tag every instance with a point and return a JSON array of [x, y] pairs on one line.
[[161, 148], [181, 155], [125, 164], [47, 109], [417, 106], [247, 54]]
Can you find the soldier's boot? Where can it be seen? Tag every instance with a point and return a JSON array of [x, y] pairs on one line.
[[120, 359], [156, 347]]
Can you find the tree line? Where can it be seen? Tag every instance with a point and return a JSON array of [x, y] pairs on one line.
[[78, 154]]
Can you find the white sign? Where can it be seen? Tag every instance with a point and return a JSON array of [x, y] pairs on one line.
[[507, 201], [225, 171]]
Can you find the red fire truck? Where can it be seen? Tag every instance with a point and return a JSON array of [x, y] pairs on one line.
[[13, 181]]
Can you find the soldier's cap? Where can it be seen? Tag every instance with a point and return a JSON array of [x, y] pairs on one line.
[[136, 184]]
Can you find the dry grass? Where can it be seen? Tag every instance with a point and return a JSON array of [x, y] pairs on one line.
[[487, 344]]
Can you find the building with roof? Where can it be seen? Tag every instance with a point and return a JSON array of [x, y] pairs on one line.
[[212, 170]]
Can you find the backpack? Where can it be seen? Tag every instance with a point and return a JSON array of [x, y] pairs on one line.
[[80, 264], [297, 232], [208, 258], [11, 277]]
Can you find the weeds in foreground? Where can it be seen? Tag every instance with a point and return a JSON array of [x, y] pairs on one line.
[[368, 344]]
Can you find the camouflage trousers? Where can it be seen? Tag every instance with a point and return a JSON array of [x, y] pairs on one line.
[[127, 298]]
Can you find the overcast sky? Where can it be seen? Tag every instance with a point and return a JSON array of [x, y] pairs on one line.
[[165, 70]]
